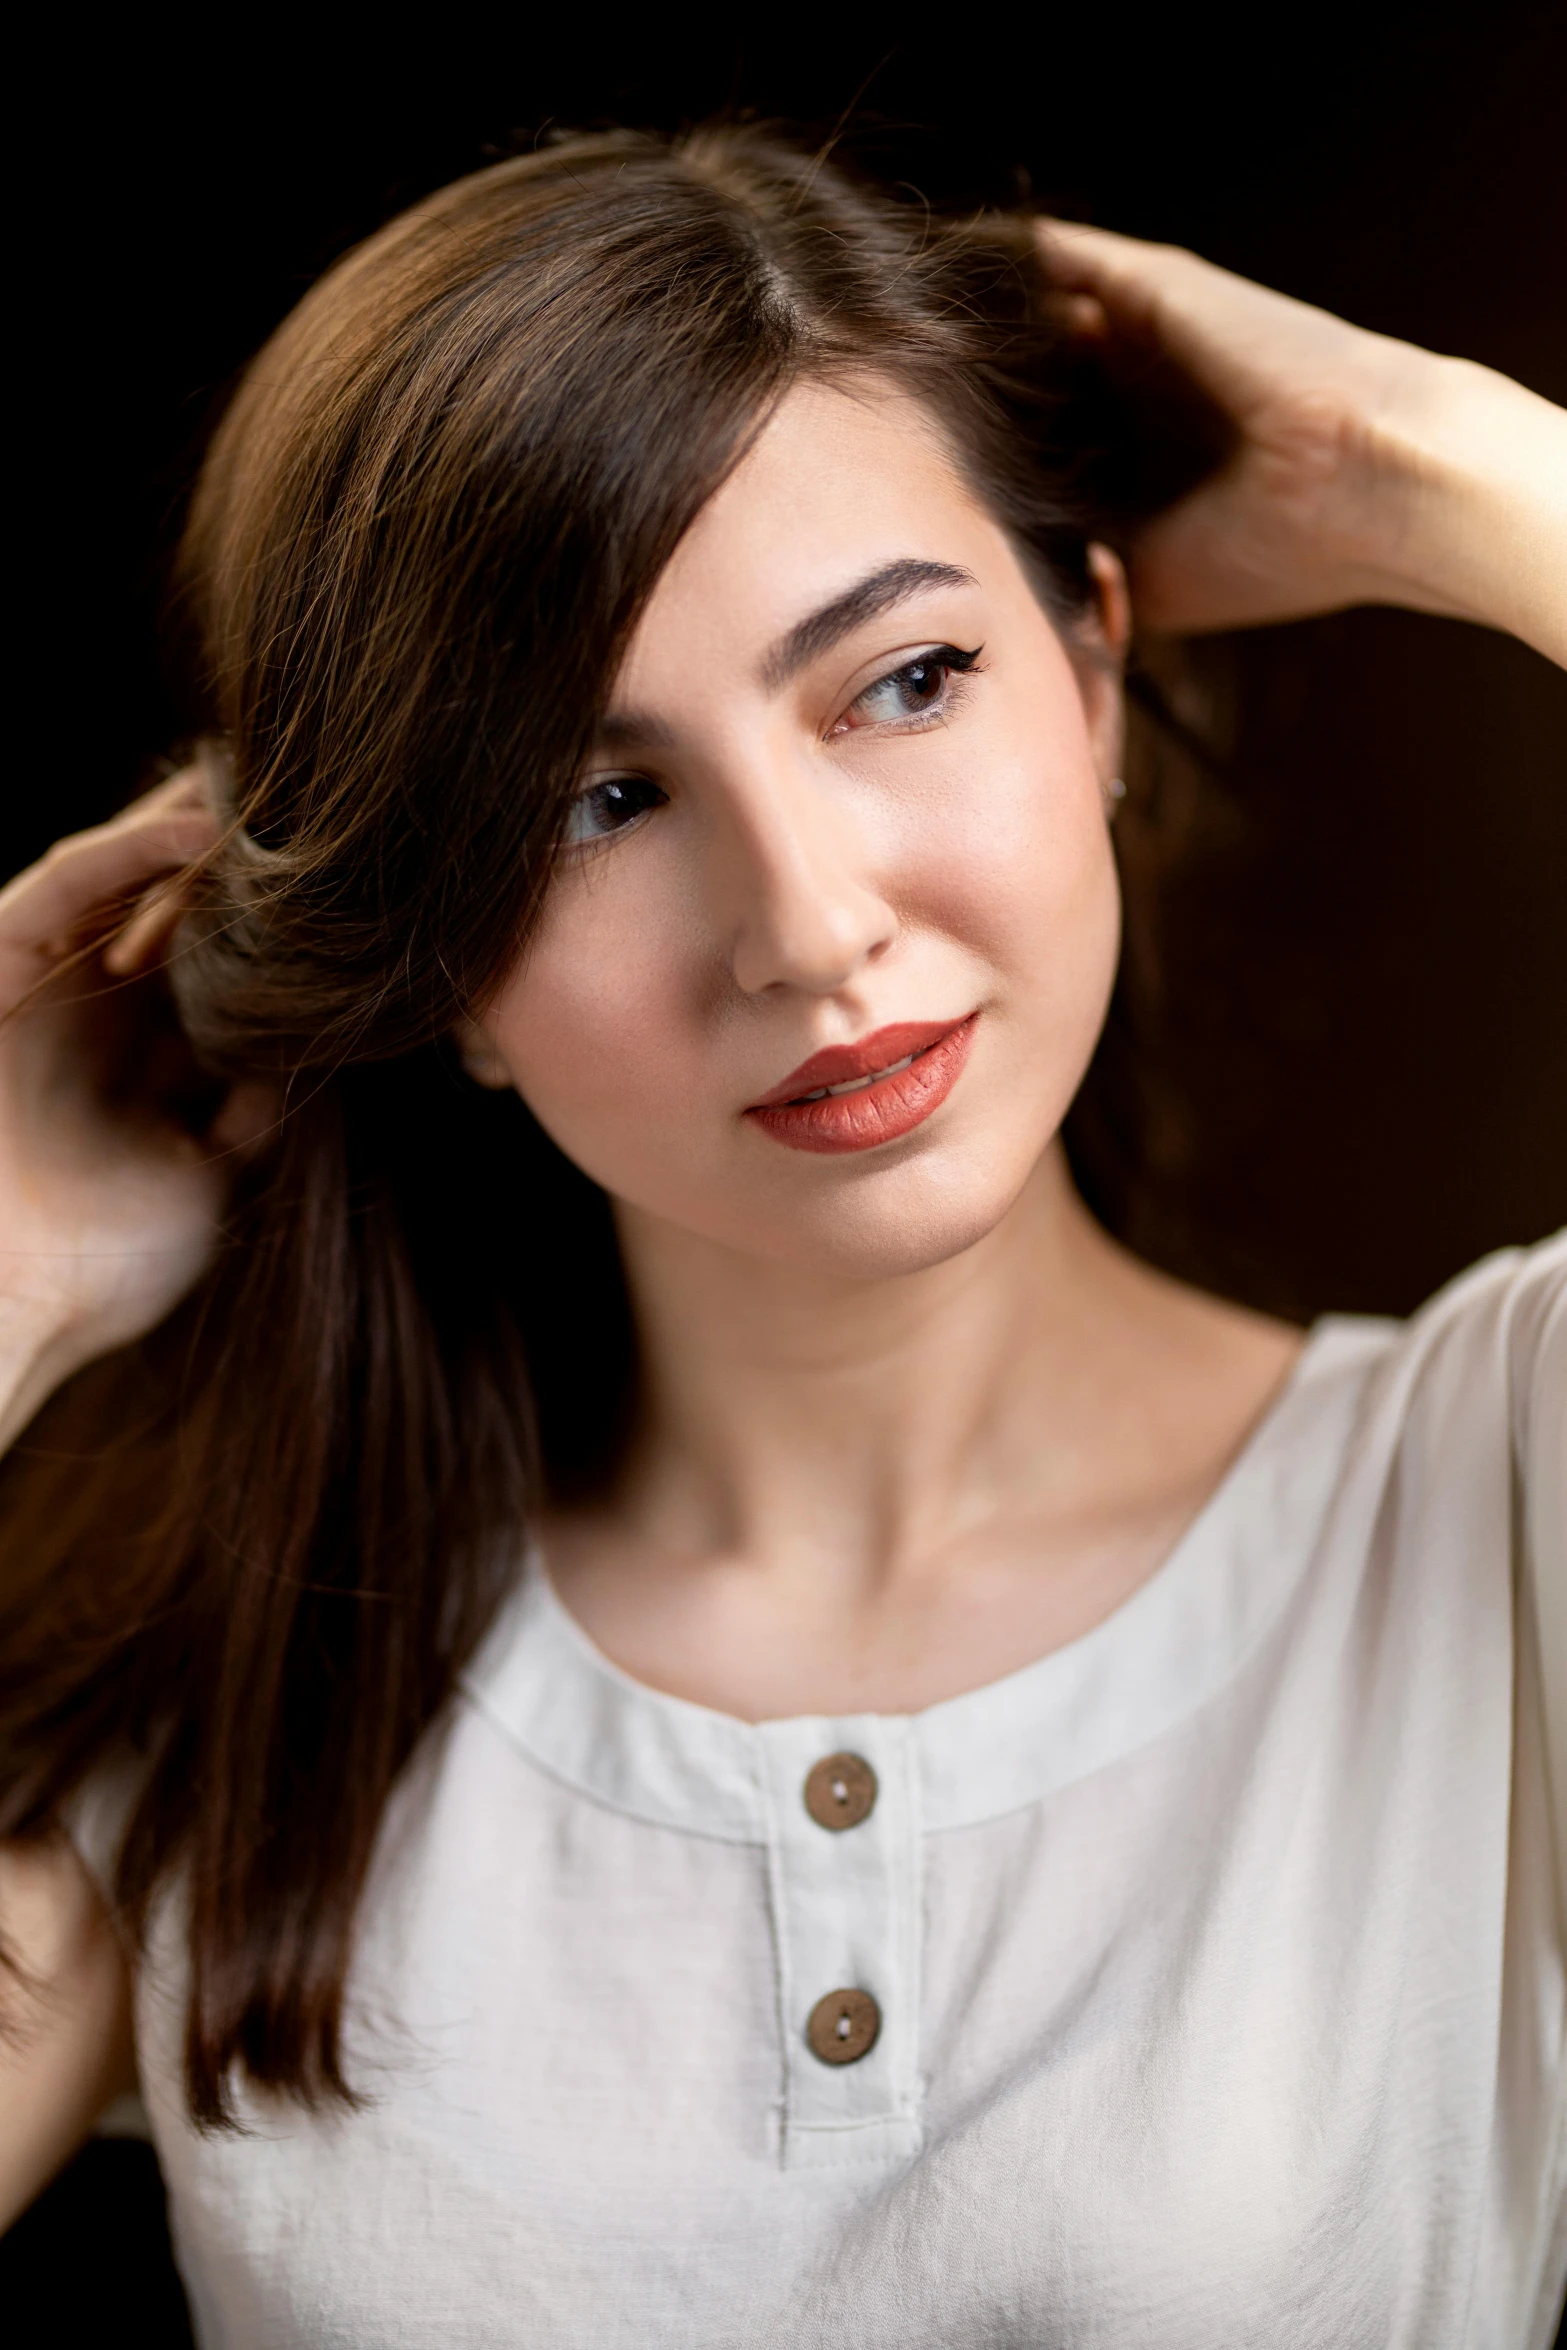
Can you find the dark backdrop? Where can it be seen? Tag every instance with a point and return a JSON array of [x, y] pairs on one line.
[[1349, 970], [1347, 1000]]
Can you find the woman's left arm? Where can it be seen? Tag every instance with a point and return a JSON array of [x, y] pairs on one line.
[[1364, 471]]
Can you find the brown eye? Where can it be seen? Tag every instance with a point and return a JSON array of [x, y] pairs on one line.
[[921, 682], [908, 691], [604, 809], [914, 689]]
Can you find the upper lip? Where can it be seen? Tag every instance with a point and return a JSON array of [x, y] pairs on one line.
[[837, 1064]]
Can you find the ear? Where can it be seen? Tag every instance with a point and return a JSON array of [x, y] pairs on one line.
[[1102, 636], [1113, 598], [479, 1057]]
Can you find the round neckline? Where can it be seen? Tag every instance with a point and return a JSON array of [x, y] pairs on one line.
[[1161, 1652]]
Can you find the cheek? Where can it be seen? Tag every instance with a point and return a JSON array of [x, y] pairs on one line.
[[1017, 866], [591, 1025]]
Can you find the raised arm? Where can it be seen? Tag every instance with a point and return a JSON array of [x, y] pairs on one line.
[[109, 1210], [65, 2017], [1364, 471], [109, 1204]]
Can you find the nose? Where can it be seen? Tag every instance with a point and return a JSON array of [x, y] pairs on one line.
[[804, 911]]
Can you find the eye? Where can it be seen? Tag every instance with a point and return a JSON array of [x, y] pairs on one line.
[[921, 688], [603, 809]]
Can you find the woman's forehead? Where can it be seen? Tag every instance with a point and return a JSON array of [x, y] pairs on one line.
[[842, 484]]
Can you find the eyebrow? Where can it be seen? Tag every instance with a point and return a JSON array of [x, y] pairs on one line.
[[629, 730], [817, 633], [877, 592]]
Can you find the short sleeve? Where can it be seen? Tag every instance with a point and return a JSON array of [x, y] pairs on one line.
[[1537, 1373], [1486, 1365]]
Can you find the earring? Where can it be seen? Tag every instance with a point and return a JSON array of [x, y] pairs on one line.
[[1115, 792], [479, 1058], [487, 1069]]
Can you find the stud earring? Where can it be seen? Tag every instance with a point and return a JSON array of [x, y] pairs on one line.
[[488, 1070], [479, 1058], [1115, 792]]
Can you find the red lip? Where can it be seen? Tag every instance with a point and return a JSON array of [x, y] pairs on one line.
[[877, 1113]]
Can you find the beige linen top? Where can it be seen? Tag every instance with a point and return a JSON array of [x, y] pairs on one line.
[[1218, 1957]]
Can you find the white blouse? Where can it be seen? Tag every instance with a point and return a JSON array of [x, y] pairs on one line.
[[1211, 1968]]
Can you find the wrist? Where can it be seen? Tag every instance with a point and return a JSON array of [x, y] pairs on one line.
[[39, 1349], [1473, 523]]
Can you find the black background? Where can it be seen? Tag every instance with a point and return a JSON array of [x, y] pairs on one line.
[[1353, 957], [1353, 949]]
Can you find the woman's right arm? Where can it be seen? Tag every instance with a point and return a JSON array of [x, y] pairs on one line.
[[109, 1212], [65, 2016]]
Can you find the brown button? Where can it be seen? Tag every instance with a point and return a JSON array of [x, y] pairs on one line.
[[842, 2027], [840, 1791]]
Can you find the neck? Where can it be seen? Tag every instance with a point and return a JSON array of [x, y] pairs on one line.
[[866, 1496], [793, 1417]]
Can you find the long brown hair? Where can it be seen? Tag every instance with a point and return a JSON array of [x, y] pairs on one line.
[[249, 1556]]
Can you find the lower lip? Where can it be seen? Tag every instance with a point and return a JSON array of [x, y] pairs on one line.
[[883, 1112]]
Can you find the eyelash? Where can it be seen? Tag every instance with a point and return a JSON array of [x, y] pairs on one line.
[[583, 805], [952, 660]]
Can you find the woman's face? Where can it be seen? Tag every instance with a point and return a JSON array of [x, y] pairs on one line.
[[848, 801]]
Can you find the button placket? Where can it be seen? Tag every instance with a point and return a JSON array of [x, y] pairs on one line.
[[845, 1856]]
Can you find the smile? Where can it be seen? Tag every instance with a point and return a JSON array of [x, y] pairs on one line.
[[855, 1097]]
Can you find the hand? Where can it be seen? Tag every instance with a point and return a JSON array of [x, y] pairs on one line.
[[110, 1197], [1362, 470]]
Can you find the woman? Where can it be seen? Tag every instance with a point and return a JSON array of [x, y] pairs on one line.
[[671, 1703]]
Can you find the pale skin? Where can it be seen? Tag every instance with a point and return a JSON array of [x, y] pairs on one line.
[[911, 1419]]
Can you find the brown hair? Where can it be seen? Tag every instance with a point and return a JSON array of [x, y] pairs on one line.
[[254, 1552]]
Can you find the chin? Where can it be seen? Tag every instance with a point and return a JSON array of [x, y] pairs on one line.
[[883, 1222]]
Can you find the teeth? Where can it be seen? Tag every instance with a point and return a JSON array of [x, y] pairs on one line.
[[858, 1084]]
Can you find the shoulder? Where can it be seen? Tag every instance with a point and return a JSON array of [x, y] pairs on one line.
[[1456, 1467], [1434, 1449], [1486, 1356]]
